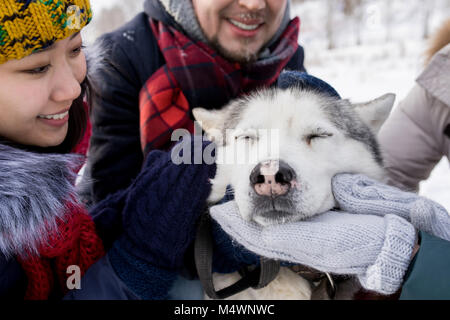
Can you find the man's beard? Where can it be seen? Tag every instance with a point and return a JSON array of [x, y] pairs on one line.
[[244, 56]]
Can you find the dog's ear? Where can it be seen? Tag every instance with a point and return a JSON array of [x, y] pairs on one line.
[[209, 119], [212, 122], [375, 112]]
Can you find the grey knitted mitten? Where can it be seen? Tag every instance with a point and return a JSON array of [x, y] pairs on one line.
[[356, 193], [375, 249]]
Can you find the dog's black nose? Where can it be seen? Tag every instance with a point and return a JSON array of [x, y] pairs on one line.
[[272, 178], [285, 173]]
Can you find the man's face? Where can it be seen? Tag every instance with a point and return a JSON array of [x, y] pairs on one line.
[[238, 29]]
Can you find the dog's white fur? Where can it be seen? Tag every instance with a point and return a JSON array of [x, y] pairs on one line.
[[295, 115]]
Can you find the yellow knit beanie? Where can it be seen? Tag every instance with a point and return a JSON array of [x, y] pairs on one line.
[[27, 26]]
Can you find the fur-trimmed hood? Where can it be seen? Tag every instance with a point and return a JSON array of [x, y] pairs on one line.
[[35, 190]]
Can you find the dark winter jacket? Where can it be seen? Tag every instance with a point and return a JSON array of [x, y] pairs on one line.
[[131, 55], [428, 275]]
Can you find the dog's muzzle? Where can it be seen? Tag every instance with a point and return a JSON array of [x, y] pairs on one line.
[[272, 178]]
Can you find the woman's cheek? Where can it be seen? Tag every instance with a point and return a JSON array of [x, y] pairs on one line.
[[80, 67]]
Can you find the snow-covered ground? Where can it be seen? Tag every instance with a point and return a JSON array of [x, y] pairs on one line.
[[368, 70]]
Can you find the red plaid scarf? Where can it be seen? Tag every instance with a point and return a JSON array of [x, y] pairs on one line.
[[195, 75]]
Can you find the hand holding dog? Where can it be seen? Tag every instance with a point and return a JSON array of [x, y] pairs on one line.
[[375, 249], [159, 220], [162, 207], [356, 193]]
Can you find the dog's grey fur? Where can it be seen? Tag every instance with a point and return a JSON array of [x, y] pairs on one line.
[[344, 117], [35, 190]]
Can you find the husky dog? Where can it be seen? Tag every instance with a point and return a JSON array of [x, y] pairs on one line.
[[290, 142]]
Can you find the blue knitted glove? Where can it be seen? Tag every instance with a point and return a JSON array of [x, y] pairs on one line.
[[229, 256], [376, 250], [356, 193], [159, 221]]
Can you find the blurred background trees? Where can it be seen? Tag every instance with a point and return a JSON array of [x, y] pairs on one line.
[[337, 23]]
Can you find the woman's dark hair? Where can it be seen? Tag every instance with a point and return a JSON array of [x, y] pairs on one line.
[[78, 117]]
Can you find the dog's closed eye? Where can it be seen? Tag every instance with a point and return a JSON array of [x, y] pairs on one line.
[[247, 135], [319, 134]]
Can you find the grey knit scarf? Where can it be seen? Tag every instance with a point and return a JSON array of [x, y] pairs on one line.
[[183, 13]]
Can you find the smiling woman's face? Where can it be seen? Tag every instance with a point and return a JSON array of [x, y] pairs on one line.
[[36, 93]]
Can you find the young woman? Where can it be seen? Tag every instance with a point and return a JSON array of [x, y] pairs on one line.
[[46, 235], [43, 230]]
